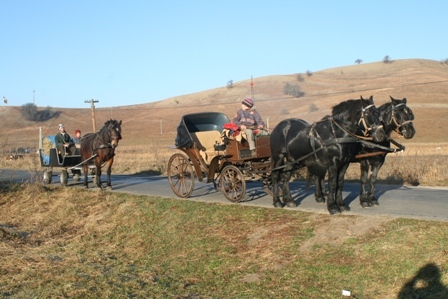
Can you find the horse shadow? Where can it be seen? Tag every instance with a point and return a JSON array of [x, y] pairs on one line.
[[425, 284], [353, 188], [300, 191]]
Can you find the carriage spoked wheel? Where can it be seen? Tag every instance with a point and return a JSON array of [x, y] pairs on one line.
[[232, 183], [180, 175]]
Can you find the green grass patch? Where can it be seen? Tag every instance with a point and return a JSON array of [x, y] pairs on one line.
[[71, 243]]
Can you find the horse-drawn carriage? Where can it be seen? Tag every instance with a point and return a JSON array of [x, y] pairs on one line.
[[328, 146], [221, 159], [97, 150], [50, 158]]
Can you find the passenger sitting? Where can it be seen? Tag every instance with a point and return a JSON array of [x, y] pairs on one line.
[[77, 139], [248, 120], [64, 143]]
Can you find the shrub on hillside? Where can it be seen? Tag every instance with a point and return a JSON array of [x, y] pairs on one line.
[[293, 90], [30, 112]]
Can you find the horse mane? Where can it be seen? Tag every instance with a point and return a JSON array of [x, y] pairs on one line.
[[349, 109], [385, 107]]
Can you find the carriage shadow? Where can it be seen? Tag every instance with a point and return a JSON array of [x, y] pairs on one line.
[[299, 192]]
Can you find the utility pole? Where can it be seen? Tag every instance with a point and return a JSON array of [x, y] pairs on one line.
[[34, 92], [92, 103], [252, 88]]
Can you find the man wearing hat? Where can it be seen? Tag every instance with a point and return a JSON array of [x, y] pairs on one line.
[[63, 142], [247, 120]]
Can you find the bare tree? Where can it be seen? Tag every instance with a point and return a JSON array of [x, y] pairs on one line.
[[358, 61], [386, 59]]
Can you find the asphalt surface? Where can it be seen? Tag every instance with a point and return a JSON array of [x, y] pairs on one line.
[[428, 203]]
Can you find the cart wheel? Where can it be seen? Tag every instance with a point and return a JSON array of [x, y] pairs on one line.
[[64, 177], [180, 175], [47, 177], [232, 183]]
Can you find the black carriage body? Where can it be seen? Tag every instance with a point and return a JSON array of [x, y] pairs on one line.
[[55, 160], [50, 158]]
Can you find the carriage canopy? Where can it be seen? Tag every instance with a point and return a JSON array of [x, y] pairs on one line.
[[198, 122]]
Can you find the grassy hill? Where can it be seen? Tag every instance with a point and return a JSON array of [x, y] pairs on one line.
[[423, 82]]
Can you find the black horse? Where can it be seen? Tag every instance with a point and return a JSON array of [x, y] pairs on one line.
[[396, 117], [100, 147], [327, 145]]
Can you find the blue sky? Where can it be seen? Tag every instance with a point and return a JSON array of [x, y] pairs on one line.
[[60, 53]]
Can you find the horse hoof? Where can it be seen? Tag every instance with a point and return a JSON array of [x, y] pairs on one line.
[[278, 204], [365, 204], [334, 211], [291, 204], [320, 199], [344, 208]]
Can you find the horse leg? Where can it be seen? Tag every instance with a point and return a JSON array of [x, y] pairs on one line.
[[319, 190], [275, 175], [340, 188], [287, 199], [98, 173], [363, 196], [332, 206], [109, 171], [86, 170], [373, 177]]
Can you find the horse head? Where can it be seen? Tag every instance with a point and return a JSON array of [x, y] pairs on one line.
[[114, 131], [361, 117], [371, 120], [402, 118]]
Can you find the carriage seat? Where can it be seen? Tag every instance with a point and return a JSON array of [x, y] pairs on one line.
[[205, 142]]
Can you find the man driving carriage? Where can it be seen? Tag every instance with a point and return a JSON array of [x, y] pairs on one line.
[[250, 122], [64, 143]]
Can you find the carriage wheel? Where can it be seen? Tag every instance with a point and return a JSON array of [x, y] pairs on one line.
[[180, 175], [47, 176], [232, 183], [64, 177]]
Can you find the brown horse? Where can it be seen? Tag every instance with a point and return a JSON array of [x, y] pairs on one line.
[[99, 148]]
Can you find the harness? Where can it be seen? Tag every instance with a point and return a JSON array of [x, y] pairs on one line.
[[353, 138]]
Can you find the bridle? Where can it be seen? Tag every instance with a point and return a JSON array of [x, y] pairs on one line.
[[394, 119], [367, 127]]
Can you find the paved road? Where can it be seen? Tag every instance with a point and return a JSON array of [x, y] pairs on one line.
[[400, 201]]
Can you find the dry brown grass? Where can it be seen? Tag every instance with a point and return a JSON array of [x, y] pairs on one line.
[[149, 129]]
